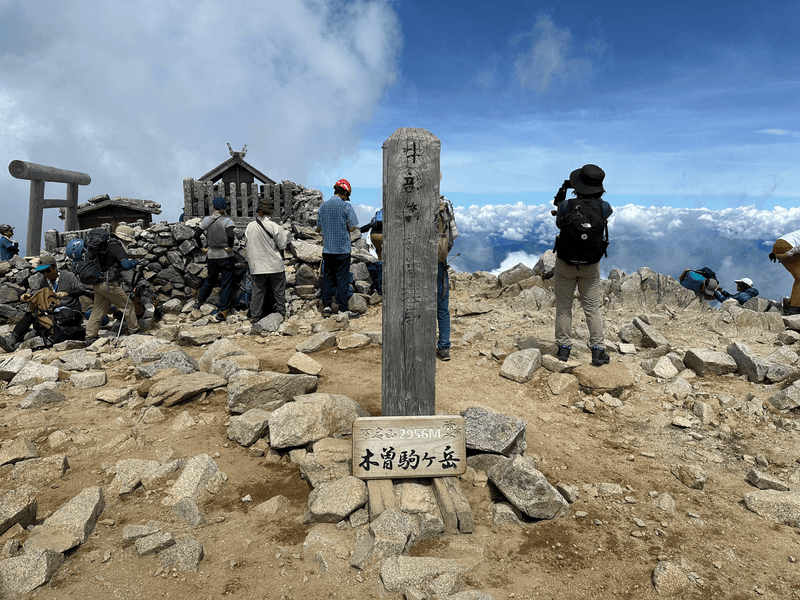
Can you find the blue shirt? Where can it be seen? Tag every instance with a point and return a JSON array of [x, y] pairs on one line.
[[8, 248], [335, 218], [693, 281], [740, 297]]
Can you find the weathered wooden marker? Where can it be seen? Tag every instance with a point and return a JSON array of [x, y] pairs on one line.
[[409, 440], [410, 200], [38, 175]]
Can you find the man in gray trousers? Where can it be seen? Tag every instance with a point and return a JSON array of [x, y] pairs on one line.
[[266, 241]]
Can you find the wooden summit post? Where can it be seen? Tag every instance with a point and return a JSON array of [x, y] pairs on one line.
[[411, 174], [38, 175]]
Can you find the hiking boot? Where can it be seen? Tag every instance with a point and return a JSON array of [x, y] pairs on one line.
[[599, 356], [352, 315], [9, 343], [326, 312], [443, 354], [89, 341], [563, 353], [219, 316], [791, 310]]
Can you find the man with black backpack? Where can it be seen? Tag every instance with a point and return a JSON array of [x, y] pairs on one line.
[[110, 256], [582, 241], [266, 241], [219, 230], [445, 223]]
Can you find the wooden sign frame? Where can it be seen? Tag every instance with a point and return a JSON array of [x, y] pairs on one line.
[[403, 447]]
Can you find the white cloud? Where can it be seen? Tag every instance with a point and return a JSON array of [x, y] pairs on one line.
[[549, 58], [142, 94], [515, 258]]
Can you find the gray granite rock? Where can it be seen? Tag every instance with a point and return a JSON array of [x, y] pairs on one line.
[[781, 507], [392, 533], [612, 378], [177, 389], [763, 481], [335, 501], [329, 460], [188, 512], [169, 358], [200, 335], [33, 373], [24, 573], [692, 476], [787, 398], [40, 471], [131, 533], [221, 348], [42, 397], [678, 388], [154, 543], [142, 349], [669, 579], [489, 431], [312, 417], [546, 265], [269, 324], [664, 502], [80, 360], [267, 390], [71, 524], [400, 572], [505, 513], [528, 489], [709, 362], [748, 363], [245, 429], [304, 365], [521, 365], [201, 473], [317, 342], [117, 395], [651, 338], [185, 555], [663, 369], [515, 274], [11, 365], [17, 507], [351, 341], [88, 379], [16, 450]]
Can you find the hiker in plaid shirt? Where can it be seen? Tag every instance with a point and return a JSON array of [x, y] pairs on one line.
[[336, 219]]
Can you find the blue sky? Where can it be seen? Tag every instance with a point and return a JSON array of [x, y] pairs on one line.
[[690, 107]]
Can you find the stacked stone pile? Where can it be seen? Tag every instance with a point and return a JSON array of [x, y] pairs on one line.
[[175, 266]]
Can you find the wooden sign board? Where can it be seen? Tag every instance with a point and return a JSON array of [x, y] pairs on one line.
[[397, 447]]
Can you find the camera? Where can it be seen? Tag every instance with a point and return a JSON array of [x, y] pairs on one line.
[[561, 195]]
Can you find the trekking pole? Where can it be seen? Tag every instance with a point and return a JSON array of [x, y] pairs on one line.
[[122, 320]]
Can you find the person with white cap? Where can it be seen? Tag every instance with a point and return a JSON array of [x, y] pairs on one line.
[[744, 291]]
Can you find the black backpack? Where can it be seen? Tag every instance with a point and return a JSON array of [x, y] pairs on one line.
[[88, 269], [583, 239]]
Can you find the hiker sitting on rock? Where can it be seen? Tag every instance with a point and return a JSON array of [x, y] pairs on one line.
[[786, 250], [744, 291], [68, 290], [9, 248], [703, 282]]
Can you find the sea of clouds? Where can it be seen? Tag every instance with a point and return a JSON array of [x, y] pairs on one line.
[[734, 242]]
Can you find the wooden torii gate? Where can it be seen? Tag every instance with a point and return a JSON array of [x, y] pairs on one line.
[[38, 175]]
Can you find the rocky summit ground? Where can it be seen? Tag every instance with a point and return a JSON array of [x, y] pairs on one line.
[[660, 455]]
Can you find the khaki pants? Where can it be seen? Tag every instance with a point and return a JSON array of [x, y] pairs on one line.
[[377, 241], [103, 299], [587, 278], [792, 265]]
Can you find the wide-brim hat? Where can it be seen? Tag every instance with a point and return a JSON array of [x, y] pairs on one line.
[[745, 280], [45, 263], [588, 179], [125, 233]]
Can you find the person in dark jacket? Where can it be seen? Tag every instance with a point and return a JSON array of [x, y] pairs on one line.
[[219, 230], [109, 291], [9, 248], [744, 291], [68, 289]]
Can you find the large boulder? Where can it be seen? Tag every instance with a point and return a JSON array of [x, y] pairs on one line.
[[312, 417], [267, 390], [71, 524], [709, 362], [333, 502], [177, 389], [521, 365], [527, 488], [488, 431]]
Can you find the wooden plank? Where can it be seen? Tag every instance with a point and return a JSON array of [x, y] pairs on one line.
[[466, 521], [34, 172], [405, 447], [410, 199], [381, 497], [446, 506]]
